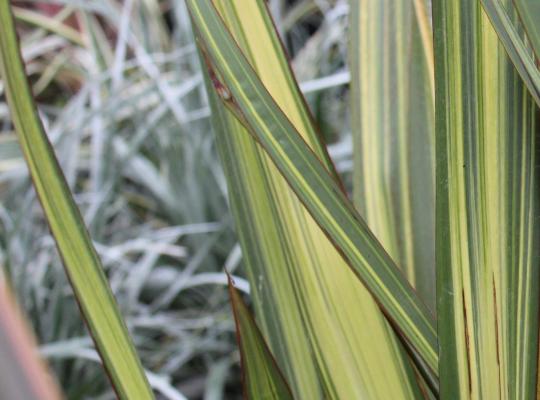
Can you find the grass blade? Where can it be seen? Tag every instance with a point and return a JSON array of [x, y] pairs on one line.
[[392, 120], [487, 208], [262, 378], [48, 23], [80, 259], [245, 95]]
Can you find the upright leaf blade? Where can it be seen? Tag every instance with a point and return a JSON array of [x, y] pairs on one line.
[[487, 209], [300, 283], [82, 264], [262, 378], [243, 92], [392, 122]]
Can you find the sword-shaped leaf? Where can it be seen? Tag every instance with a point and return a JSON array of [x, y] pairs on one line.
[[487, 212], [244, 94], [393, 128], [300, 283], [81, 262]]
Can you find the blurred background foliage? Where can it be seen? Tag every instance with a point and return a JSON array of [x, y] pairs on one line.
[[121, 94]]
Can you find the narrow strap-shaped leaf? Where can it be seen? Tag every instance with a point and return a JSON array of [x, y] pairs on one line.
[[51, 24], [392, 123], [262, 378], [514, 45], [310, 180], [267, 63], [529, 13], [82, 264], [487, 212], [299, 281]]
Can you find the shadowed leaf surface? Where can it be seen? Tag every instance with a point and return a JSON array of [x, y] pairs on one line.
[[262, 378]]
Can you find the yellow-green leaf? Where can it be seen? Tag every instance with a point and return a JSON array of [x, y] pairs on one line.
[[82, 264], [242, 92], [487, 212], [300, 283], [392, 124]]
